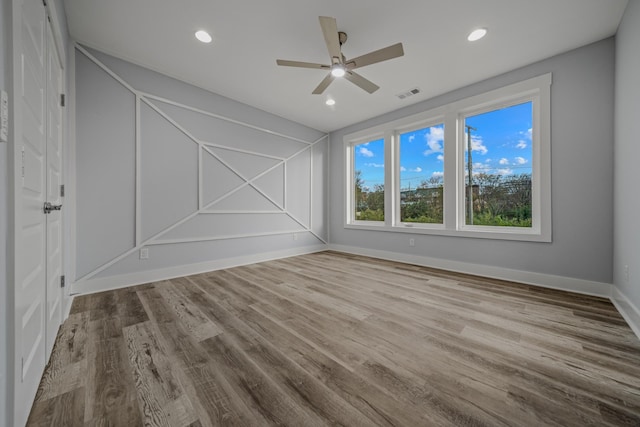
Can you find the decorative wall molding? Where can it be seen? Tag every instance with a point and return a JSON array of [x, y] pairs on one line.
[[244, 185], [124, 280]]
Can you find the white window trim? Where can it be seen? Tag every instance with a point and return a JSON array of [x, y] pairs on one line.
[[537, 90]]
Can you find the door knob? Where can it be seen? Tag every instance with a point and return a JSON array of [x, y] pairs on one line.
[[48, 207]]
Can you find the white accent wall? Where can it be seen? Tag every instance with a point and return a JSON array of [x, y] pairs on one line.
[[197, 180], [626, 166], [579, 257]]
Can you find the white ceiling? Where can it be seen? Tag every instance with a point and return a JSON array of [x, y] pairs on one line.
[[249, 35]]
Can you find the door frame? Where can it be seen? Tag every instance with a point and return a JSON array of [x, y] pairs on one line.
[[14, 408]]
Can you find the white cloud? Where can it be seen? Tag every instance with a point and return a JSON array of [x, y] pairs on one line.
[[366, 152], [503, 161], [440, 157], [521, 160], [435, 139], [437, 174], [412, 137], [476, 144], [417, 169], [375, 165], [526, 138], [480, 167], [505, 171], [488, 161]]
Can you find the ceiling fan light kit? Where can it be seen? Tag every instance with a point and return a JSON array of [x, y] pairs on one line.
[[340, 66], [338, 70]]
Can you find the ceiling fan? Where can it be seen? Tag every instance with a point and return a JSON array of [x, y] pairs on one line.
[[340, 66]]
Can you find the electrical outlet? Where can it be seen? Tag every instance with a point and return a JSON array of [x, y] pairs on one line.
[[626, 273], [412, 242], [144, 253]]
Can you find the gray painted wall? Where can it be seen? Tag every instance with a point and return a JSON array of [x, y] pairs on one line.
[[627, 153], [6, 315], [169, 132], [582, 96]]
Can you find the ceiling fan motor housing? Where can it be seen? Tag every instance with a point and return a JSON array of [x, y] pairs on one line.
[[339, 67]]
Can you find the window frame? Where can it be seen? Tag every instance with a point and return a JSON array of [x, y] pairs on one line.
[[430, 122], [536, 90], [351, 159]]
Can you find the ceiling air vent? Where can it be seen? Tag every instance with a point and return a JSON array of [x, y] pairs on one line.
[[408, 93]]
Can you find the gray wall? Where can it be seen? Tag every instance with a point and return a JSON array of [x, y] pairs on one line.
[[6, 315], [582, 179], [627, 153], [169, 174]]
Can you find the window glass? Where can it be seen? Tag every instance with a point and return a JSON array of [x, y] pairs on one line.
[[422, 174], [497, 167], [368, 180]]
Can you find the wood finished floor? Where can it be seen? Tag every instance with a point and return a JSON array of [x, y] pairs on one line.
[[335, 339]]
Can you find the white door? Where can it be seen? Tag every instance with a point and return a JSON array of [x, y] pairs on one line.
[[38, 157], [54, 180], [30, 221]]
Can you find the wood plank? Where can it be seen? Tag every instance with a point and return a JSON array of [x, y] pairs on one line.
[[68, 363], [196, 323], [214, 399], [65, 409], [307, 391], [161, 398]]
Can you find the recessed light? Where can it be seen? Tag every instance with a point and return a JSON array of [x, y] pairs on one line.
[[477, 34], [203, 36], [330, 102], [337, 70]]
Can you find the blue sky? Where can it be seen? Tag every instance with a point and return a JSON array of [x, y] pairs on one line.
[[500, 145]]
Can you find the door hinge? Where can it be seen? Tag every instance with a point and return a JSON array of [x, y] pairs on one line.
[[62, 190], [22, 162], [62, 281], [62, 100]]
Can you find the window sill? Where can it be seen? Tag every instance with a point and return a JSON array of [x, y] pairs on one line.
[[477, 232]]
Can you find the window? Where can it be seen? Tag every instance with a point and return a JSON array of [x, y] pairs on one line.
[[422, 175], [497, 169], [368, 180], [478, 167]]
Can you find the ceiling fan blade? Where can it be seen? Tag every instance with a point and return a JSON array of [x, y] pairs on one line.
[[361, 82], [330, 31], [299, 64], [379, 55], [323, 84]]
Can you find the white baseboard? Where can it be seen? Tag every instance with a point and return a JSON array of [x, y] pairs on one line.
[[563, 283], [124, 280], [628, 310]]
